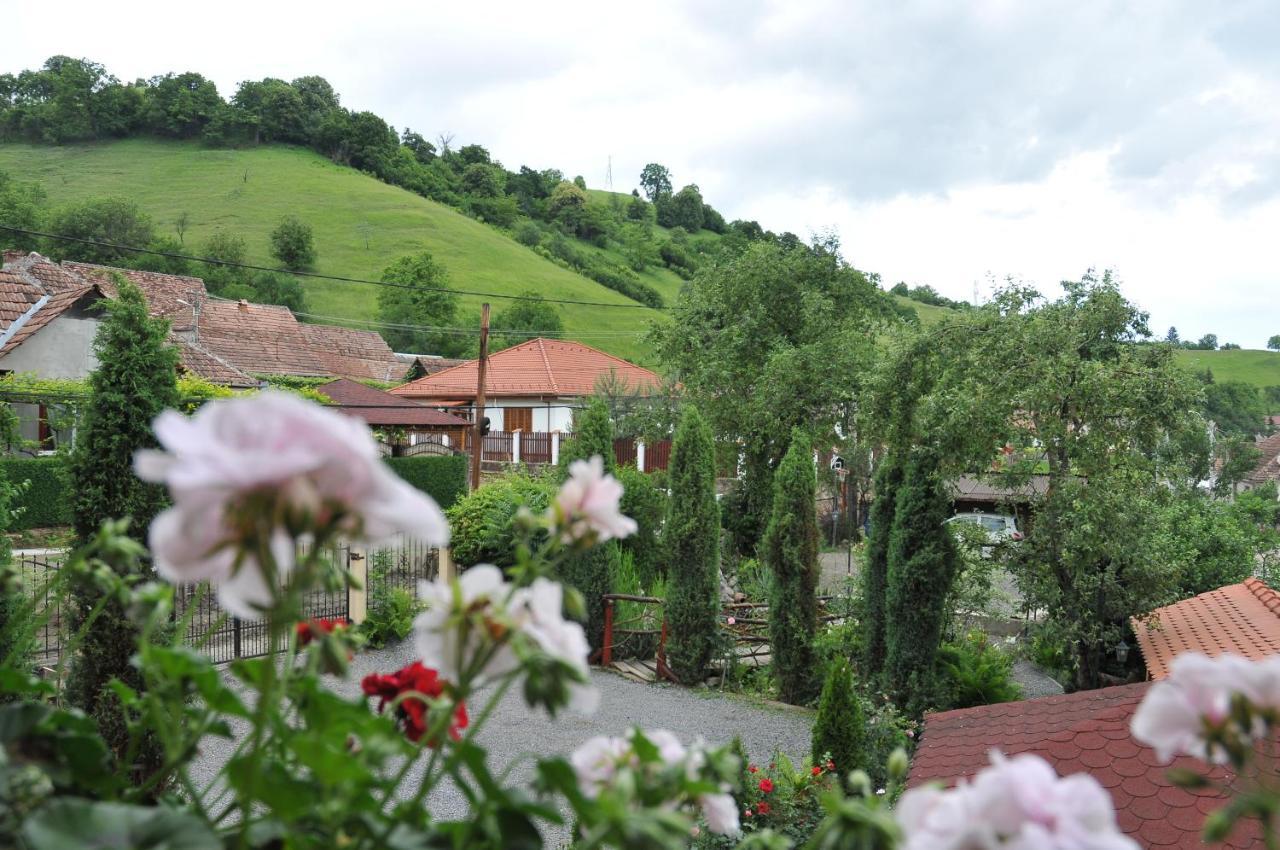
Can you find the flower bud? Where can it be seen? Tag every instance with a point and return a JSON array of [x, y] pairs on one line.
[[898, 765], [859, 783], [1217, 826]]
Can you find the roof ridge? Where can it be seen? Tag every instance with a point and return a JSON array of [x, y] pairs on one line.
[[546, 364], [1265, 595]]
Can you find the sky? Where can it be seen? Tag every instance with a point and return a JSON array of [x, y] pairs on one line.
[[953, 144]]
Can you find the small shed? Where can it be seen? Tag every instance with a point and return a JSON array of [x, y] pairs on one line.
[[405, 424]]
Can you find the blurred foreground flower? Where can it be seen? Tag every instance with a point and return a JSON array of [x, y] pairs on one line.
[[250, 476], [412, 710], [1015, 803], [586, 508]]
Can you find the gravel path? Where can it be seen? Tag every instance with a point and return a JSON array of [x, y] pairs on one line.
[[515, 732]]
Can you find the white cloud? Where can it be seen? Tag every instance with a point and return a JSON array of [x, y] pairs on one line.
[[944, 141]]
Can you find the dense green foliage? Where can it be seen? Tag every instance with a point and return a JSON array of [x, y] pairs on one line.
[[647, 505], [921, 568], [973, 672], [117, 221], [422, 296], [134, 382], [771, 339], [1236, 407], [592, 435], [293, 244], [691, 540], [442, 478], [482, 521], [839, 731], [47, 499], [524, 320], [15, 645], [790, 549], [875, 577]]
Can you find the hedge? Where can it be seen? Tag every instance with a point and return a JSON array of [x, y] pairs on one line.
[[46, 502], [442, 478]]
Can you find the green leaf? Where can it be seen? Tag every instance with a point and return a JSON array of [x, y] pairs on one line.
[[69, 823]]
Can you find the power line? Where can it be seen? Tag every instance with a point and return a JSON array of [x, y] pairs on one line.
[[317, 275], [460, 331]]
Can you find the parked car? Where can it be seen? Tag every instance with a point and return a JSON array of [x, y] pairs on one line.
[[999, 528]]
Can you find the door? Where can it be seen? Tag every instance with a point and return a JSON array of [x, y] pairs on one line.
[[517, 419]]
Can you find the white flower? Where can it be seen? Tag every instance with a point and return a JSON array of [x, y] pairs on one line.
[[536, 612], [721, 813], [1172, 716], [597, 761], [438, 638], [1017, 803], [588, 503], [309, 464]]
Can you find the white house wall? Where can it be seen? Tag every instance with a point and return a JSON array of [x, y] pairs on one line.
[[556, 416], [61, 349]]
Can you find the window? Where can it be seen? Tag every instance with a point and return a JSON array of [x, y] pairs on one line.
[[517, 419]]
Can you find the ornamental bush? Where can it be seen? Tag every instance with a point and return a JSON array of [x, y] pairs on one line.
[[483, 520], [922, 568], [135, 380], [790, 548], [647, 505], [691, 539], [839, 732], [442, 478], [876, 575]]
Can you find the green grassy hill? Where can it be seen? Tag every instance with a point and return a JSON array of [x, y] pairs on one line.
[[1260, 368], [361, 225]]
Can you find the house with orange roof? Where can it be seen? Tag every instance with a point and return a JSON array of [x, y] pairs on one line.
[[531, 387]]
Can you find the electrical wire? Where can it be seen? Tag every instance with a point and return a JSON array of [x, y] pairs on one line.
[[316, 275], [460, 331]]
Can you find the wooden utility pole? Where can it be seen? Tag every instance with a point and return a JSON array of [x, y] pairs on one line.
[[477, 441]]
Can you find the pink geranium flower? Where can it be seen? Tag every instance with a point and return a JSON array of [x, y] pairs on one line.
[[587, 504]]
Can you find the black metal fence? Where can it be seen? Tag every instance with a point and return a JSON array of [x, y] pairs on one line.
[[39, 571], [400, 567]]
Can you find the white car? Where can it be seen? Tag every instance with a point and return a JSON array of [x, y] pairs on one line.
[[1000, 528]]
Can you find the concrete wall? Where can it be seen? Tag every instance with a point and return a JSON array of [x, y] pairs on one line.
[[61, 349]]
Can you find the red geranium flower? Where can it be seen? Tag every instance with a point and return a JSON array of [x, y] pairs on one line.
[[412, 711], [309, 630], [752, 769], [766, 785], [816, 771], [762, 808], [831, 765]]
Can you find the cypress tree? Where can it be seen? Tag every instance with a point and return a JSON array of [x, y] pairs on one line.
[[589, 571], [875, 575], [840, 732], [922, 568], [135, 380], [692, 540], [790, 549]]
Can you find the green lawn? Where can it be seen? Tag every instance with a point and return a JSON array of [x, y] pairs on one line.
[[1260, 368], [248, 191]]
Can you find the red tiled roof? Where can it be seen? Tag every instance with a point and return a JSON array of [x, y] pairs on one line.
[[169, 296], [261, 339], [540, 367], [350, 353], [381, 408], [1268, 468], [45, 273], [1241, 618], [1083, 732], [17, 296], [200, 361], [58, 303]]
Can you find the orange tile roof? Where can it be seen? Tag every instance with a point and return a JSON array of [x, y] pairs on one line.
[[1241, 618], [1083, 732], [540, 367]]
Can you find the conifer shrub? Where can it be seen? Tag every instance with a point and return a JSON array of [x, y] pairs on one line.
[[922, 568], [840, 729], [691, 538], [875, 578], [647, 505], [790, 549], [135, 380], [589, 571]]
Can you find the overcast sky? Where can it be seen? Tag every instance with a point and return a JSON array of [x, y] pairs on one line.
[[1033, 139]]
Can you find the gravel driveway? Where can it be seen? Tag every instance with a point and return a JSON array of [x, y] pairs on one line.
[[515, 732]]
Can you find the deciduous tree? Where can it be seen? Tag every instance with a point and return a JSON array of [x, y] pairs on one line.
[[422, 298], [293, 244]]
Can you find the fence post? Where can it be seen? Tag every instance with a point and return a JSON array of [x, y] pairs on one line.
[[555, 448], [663, 671], [235, 636], [639, 455], [515, 446], [358, 592], [448, 571], [606, 657]]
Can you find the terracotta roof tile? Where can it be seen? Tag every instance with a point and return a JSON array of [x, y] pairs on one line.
[[539, 367], [956, 744], [261, 339], [381, 408], [172, 297], [46, 274], [1268, 468], [350, 353], [1240, 618], [17, 296], [200, 361]]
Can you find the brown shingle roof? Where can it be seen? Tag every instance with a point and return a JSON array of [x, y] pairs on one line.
[[260, 339], [381, 408], [200, 361], [1268, 468], [46, 274], [1083, 732], [540, 367], [169, 296], [350, 353], [57, 304], [17, 296], [1241, 618]]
